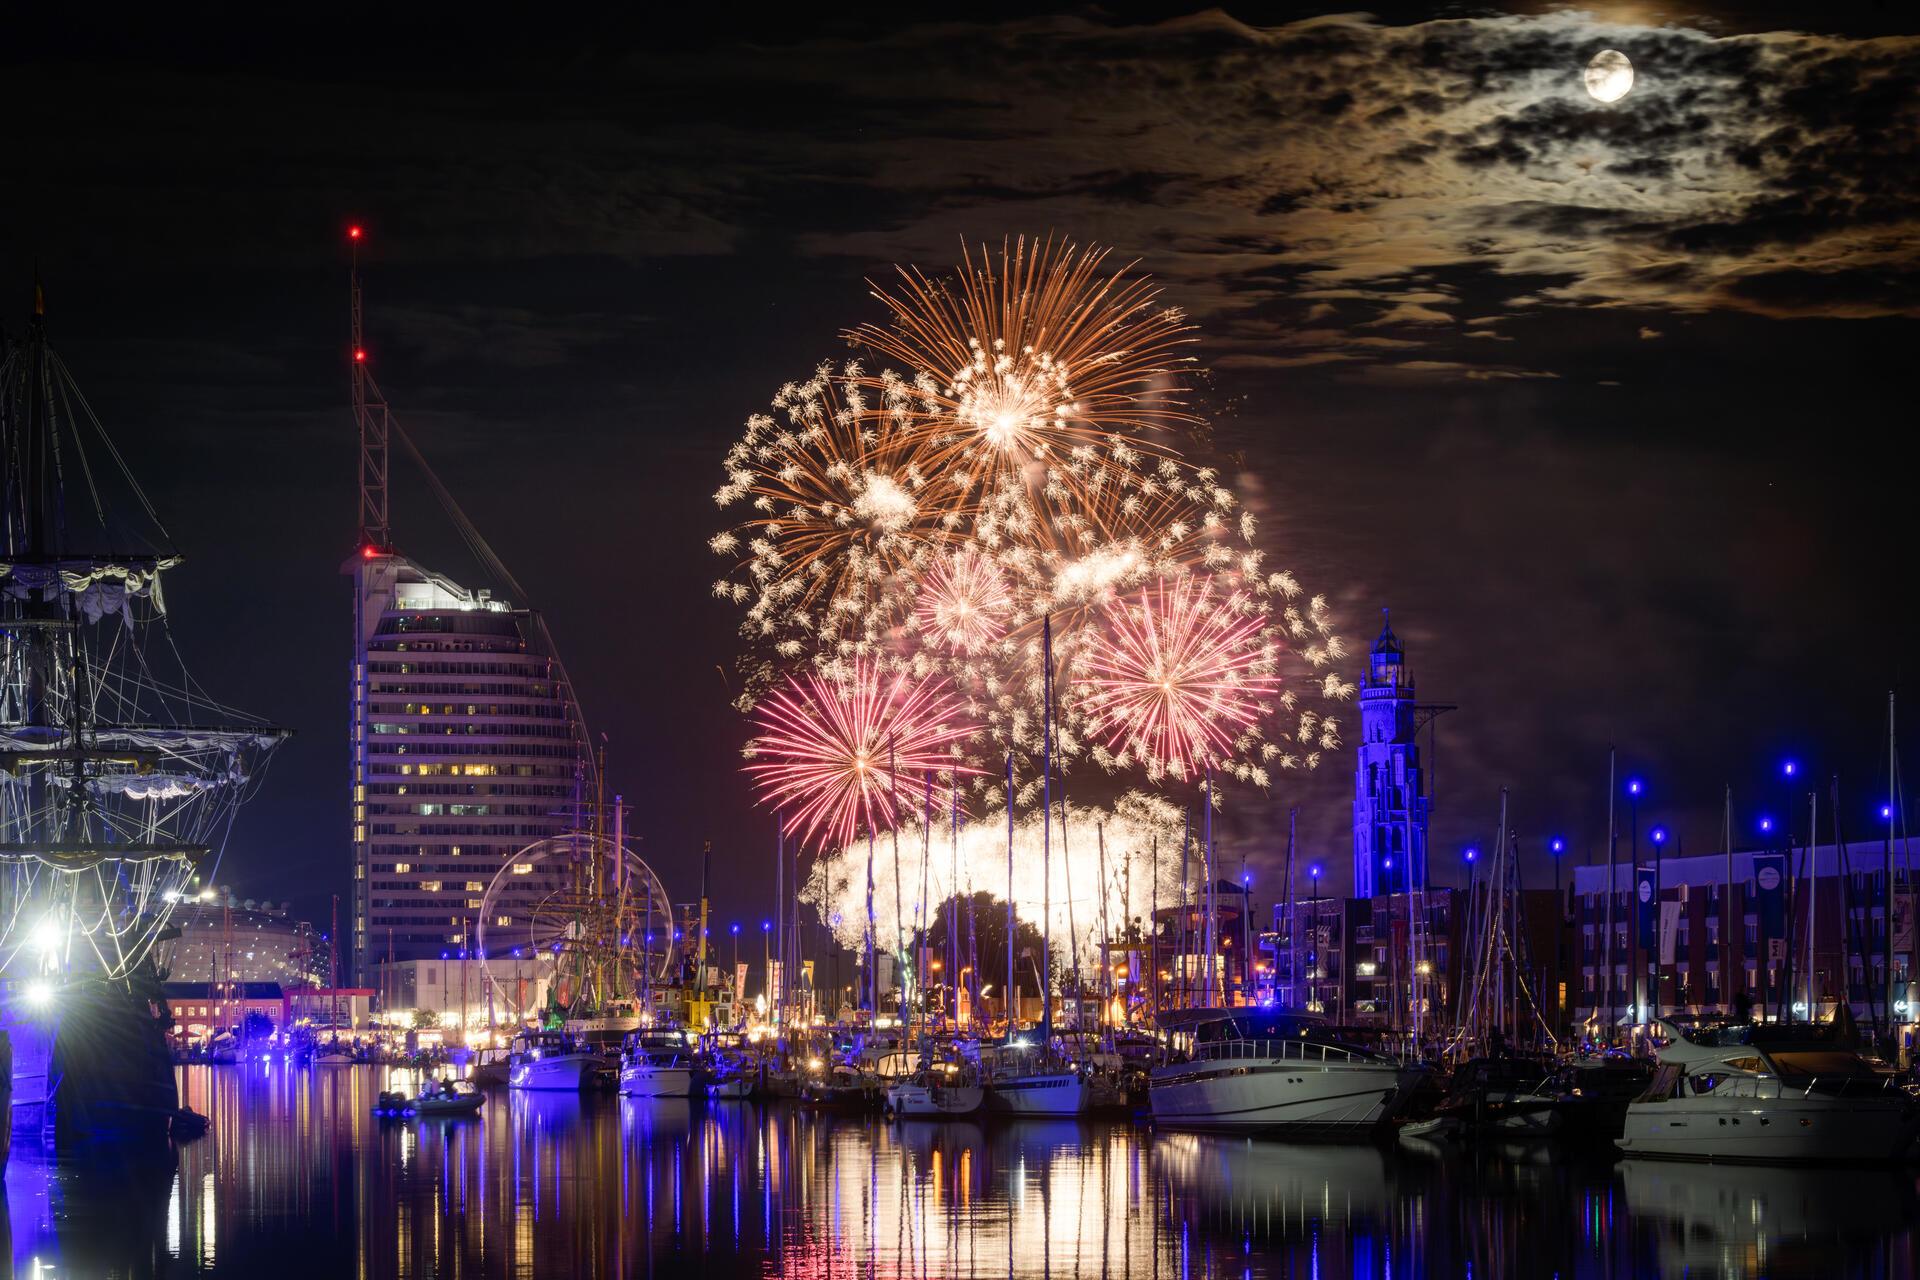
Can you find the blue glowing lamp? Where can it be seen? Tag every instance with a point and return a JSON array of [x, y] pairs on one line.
[[736, 928], [1558, 846], [1387, 862], [1766, 825], [766, 926], [1314, 871], [1635, 786], [1659, 835], [1789, 768], [1471, 853], [1886, 811]]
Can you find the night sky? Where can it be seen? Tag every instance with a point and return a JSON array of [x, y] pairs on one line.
[[1610, 404]]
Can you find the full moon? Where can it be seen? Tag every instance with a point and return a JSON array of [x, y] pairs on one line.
[[1609, 75]]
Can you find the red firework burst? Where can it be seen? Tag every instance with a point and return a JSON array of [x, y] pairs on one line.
[[1178, 674], [841, 752]]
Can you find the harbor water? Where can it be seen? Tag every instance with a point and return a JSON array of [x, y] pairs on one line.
[[298, 1179]]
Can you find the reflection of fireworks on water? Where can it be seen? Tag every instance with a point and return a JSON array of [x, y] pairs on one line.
[[1178, 675], [837, 885], [840, 751]]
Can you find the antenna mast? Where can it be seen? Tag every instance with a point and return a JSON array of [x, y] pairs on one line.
[[371, 415]]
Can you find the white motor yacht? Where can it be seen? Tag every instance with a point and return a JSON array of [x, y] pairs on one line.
[[656, 1065], [548, 1060], [1792, 1101], [1262, 1071]]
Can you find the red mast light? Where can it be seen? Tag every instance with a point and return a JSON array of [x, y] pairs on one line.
[[353, 233], [359, 357]]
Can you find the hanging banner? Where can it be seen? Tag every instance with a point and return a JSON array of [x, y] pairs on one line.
[[740, 985], [1770, 883], [1643, 910], [1669, 929]]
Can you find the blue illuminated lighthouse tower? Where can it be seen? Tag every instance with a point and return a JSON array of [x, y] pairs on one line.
[[1390, 800]]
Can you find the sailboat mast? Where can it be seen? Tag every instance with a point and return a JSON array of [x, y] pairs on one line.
[[1613, 846], [1887, 910], [1046, 827], [1012, 986]]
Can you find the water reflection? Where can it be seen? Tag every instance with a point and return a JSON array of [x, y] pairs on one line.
[[298, 1179]]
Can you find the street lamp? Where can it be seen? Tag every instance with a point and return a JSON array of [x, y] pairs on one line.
[[1313, 945]]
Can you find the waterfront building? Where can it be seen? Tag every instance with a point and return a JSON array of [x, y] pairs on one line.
[[1718, 940], [467, 748], [452, 990], [1390, 801], [224, 939], [335, 1008], [1178, 954], [200, 1009]]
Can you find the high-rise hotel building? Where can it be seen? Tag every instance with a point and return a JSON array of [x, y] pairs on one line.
[[467, 747]]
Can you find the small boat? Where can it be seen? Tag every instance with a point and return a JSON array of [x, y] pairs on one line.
[[939, 1092], [436, 1098], [549, 1060], [1024, 1079], [492, 1067], [449, 1098], [656, 1064], [1739, 1098], [730, 1088], [842, 1089]]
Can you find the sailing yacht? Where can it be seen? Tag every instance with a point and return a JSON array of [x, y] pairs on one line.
[[1027, 1080], [1742, 1097], [1262, 1071]]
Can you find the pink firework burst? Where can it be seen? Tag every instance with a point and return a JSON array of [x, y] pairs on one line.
[[963, 603], [839, 753], [1178, 674]]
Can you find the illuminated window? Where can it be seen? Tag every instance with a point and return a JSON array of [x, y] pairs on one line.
[[431, 886], [523, 868], [502, 922], [474, 886]]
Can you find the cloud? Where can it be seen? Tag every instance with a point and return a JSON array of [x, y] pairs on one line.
[[1647, 334]]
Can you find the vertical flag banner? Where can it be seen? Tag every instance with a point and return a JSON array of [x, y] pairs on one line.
[[1643, 905], [1669, 929], [1770, 882]]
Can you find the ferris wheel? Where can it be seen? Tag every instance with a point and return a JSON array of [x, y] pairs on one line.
[[595, 916]]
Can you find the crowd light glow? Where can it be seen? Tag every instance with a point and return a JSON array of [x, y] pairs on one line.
[[1131, 828]]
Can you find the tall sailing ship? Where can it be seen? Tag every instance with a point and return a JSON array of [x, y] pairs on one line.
[[119, 775]]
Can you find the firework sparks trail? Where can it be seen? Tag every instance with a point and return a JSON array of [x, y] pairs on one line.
[[833, 749], [1179, 674]]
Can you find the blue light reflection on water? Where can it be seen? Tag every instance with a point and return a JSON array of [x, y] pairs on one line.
[[297, 1179]]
